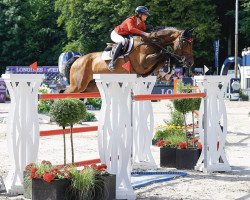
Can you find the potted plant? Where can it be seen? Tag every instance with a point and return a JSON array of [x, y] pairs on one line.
[[168, 149], [67, 112], [163, 131], [187, 153], [187, 156], [92, 182], [67, 182], [45, 181]]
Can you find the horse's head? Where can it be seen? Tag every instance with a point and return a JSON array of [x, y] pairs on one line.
[[180, 40], [183, 46]]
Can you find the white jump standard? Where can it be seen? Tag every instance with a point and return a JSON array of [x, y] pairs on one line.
[[23, 127]]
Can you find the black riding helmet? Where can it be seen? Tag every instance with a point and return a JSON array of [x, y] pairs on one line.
[[142, 10]]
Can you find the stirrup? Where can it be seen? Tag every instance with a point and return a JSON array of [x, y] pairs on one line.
[[111, 66]]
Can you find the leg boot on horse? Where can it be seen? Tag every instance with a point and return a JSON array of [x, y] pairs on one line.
[[111, 65]]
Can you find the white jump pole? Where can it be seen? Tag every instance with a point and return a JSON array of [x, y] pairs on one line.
[[23, 126], [212, 136]]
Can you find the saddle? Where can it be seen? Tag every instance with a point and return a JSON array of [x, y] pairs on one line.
[[110, 48]]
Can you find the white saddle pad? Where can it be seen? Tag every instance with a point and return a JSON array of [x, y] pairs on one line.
[[107, 55]]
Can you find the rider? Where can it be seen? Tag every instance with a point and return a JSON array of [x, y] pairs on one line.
[[132, 25]]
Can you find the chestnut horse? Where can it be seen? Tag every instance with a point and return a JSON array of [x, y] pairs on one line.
[[148, 55]]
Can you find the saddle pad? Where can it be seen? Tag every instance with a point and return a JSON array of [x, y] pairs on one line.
[[107, 55]]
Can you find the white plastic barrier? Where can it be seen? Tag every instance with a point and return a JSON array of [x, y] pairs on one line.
[[143, 125], [23, 126], [125, 129], [212, 116], [115, 129]]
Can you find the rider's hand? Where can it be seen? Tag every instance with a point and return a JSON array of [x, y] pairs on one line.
[[147, 35]]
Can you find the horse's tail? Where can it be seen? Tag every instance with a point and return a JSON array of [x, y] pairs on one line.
[[68, 67]]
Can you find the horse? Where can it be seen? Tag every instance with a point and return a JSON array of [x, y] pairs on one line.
[[148, 55]]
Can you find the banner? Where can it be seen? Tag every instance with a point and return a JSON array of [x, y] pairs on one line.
[[216, 53]]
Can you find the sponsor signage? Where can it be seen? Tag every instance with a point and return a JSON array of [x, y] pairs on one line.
[[29, 70]]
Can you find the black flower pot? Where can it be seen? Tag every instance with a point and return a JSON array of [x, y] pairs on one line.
[[109, 187], [105, 189], [167, 157], [55, 190], [187, 158]]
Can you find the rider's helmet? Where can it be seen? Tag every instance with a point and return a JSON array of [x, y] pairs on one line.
[[142, 10]]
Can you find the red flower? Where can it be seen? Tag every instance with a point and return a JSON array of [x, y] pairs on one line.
[[200, 146], [168, 142], [29, 166], [33, 172], [102, 167], [182, 145], [46, 162], [160, 143], [48, 177], [93, 166]]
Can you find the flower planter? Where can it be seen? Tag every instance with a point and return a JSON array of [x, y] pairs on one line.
[[167, 157], [55, 190], [105, 190], [186, 158], [109, 187]]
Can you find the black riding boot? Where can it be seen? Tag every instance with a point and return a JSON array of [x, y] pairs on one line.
[[111, 65]]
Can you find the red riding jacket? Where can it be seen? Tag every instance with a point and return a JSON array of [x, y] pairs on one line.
[[130, 26]]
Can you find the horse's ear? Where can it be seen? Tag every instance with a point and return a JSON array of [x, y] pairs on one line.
[[188, 32]]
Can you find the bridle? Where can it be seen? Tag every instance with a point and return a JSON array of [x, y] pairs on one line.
[[157, 42]]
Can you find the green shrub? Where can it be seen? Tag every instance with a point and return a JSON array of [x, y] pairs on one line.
[[177, 118], [44, 105], [67, 112], [243, 96], [89, 117], [95, 102], [164, 132]]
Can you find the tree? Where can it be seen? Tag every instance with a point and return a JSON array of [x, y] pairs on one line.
[[67, 112], [28, 32], [245, 20], [198, 14]]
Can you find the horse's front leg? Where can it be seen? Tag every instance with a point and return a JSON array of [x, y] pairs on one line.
[[151, 59]]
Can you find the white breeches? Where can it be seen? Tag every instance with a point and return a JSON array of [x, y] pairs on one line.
[[117, 38]]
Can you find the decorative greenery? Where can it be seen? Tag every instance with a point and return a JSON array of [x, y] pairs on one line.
[[164, 132], [31, 25], [67, 112], [171, 141], [243, 96], [177, 118], [44, 105], [95, 102], [85, 184], [89, 117], [186, 105]]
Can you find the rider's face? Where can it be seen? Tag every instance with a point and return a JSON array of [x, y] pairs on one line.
[[143, 17]]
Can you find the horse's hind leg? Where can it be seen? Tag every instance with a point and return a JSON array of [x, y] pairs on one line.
[[91, 87]]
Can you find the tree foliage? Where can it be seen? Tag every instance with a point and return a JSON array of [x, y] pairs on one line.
[[28, 32], [41, 29], [245, 19]]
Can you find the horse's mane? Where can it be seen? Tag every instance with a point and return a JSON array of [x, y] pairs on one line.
[[160, 28]]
